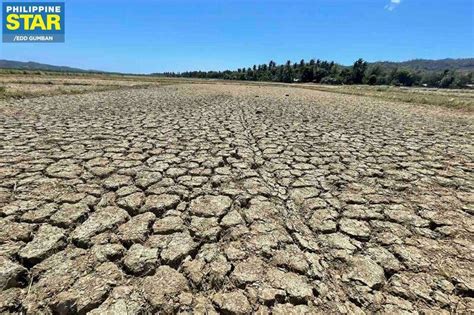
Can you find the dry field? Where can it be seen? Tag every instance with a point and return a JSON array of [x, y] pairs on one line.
[[451, 98], [226, 198], [21, 86], [51, 83]]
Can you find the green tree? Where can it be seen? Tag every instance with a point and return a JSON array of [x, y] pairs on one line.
[[307, 74], [372, 80], [358, 71], [346, 76], [287, 74], [404, 77], [447, 80]]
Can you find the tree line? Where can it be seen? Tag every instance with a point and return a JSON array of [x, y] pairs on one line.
[[326, 72]]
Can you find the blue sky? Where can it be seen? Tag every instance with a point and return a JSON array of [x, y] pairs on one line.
[[176, 35]]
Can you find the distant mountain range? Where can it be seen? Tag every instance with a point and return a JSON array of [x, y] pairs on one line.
[[30, 65], [461, 64]]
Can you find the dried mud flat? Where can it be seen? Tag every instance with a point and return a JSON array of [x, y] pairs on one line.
[[234, 199]]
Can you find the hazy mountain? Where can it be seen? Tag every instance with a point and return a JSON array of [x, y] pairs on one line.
[[462, 64], [10, 64]]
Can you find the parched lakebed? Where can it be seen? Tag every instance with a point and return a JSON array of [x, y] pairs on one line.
[[222, 198]]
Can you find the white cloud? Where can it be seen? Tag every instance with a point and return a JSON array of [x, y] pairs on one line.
[[393, 4]]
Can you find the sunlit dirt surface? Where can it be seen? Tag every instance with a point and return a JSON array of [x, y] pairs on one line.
[[234, 199]]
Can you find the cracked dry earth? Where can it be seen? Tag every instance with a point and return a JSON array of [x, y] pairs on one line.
[[234, 199]]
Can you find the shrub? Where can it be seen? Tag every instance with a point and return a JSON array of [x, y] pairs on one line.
[[372, 79], [446, 81]]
